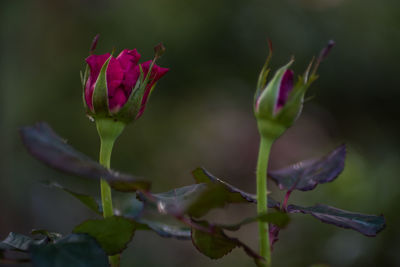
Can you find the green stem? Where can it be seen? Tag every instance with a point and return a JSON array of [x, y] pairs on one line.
[[109, 131], [262, 200], [106, 147]]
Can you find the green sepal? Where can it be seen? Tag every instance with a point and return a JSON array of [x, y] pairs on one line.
[[100, 92], [289, 113], [262, 77], [294, 104], [84, 78], [132, 106]]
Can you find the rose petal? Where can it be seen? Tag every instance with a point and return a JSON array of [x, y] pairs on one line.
[[285, 87], [118, 100], [130, 79], [129, 62], [115, 75], [128, 59], [156, 73]]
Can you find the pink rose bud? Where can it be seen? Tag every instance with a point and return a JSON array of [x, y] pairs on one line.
[[119, 87], [278, 103]]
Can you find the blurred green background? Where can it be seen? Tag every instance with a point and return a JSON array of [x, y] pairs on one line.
[[201, 113]]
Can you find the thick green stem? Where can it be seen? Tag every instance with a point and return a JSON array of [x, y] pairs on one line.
[[109, 131], [262, 200]]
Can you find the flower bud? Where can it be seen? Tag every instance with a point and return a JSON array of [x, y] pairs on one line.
[[278, 103], [119, 87]]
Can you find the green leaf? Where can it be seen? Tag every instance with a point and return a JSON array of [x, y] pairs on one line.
[[214, 243], [369, 225], [45, 145], [236, 195], [214, 196], [306, 175], [73, 250], [112, 233]]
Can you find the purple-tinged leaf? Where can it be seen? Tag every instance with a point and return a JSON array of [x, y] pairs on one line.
[[146, 214], [164, 226], [193, 200], [215, 243], [236, 195], [306, 175], [369, 225], [44, 144], [167, 213], [273, 235], [20, 242]]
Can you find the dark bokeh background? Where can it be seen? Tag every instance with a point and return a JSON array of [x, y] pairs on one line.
[[201, 113]]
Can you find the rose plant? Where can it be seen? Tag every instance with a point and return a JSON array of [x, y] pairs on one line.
[[115, 92]]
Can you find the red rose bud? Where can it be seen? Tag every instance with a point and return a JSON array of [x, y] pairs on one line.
[[119, 87], [278, 103]]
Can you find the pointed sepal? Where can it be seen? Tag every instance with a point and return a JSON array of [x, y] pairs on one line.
[[100, 93]]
